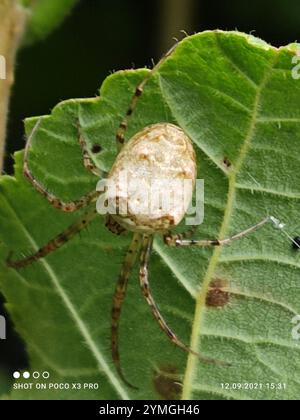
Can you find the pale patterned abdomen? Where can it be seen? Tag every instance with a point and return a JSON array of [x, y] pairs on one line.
[[148, 173]]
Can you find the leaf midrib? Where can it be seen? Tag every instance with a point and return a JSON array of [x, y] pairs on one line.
[[233, 185], [201, 298]]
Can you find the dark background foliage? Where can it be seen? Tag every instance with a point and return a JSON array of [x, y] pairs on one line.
[[101, 36]]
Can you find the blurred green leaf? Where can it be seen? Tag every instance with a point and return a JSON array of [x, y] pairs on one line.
[[45, 16], [234, 96]]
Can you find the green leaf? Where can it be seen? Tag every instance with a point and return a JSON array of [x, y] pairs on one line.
[[235, 97], [45, 16]]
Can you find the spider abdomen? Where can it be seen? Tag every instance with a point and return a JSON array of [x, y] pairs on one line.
[[154, 176]]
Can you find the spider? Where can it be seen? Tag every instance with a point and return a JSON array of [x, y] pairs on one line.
[[150, 151]]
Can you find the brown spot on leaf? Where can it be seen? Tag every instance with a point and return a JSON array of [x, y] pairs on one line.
[[227, 162], [167, 383], [96, 148], [217, 295]]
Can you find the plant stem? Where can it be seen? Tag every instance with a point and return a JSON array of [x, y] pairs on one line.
[[12, 23], [175, 15]]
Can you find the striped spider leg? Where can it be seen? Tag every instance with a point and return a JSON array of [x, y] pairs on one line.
[[80, 203], [118, 300], [180, 239], [53, 200], [146, 249], [120, 136], [57, 242]]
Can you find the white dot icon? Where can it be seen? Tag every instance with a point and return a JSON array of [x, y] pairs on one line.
[[45, 375], [26, 375], [16, 375]]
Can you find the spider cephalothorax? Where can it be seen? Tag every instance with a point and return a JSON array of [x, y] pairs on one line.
[[161, 151]]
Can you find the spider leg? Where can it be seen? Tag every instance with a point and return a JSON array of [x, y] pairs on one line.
[[87, 159], [84, 201], [118, 300], [120, 136], [55, 243], [144, 283], [185, 234], [177, 239], [145, 257]]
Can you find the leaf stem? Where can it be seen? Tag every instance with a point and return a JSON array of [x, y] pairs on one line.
[[12, 23]]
